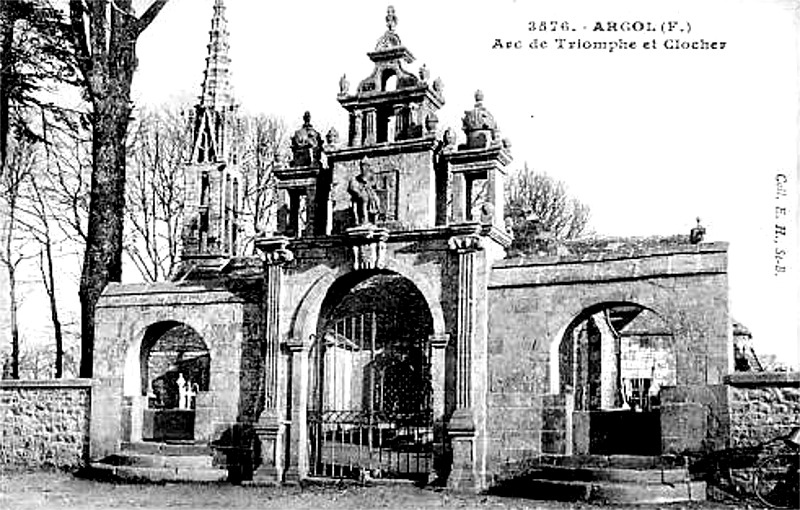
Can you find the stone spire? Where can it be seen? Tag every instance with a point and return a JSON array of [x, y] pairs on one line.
[[216, 92]]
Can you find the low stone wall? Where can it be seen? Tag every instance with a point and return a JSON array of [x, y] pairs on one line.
[[763, 405], [44, 423]]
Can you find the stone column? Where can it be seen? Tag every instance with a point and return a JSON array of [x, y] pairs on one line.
[[356, 129], [298, 467], [462, 426], [311, 211], [268, 427], [370, 126], [460, 205], [438, 371], [438, 362], [400, 122], [496, 192]]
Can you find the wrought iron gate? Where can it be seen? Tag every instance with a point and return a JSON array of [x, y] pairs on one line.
[[371, 413]]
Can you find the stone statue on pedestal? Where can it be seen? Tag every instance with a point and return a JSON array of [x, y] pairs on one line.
[[306, 144], [362, 193]]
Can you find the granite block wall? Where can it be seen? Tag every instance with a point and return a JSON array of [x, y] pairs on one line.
[[44, 424]]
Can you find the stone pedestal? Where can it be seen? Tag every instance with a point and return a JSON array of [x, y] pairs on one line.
[[297, 433], [268, 431], [463, 474], [368, 243], [684, 418]]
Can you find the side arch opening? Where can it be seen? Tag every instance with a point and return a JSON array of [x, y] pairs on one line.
[[613, 358], [175, 365]]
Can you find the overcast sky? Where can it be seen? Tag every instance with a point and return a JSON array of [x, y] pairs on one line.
[[648, 138]]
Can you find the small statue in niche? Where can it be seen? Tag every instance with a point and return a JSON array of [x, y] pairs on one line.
[[306, 144], [363, 196]]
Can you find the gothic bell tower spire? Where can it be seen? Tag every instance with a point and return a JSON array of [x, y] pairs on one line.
[[216, 82], [213, 229], [214, 110]]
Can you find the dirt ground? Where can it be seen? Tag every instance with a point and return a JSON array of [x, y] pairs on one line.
[[55, 490]]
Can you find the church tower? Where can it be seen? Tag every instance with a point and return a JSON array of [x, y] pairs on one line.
[[214, 183]]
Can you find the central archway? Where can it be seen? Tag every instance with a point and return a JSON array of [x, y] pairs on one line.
[[371, 391]]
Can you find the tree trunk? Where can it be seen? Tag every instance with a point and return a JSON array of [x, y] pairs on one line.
[[12, 298], [103, 259], [6, 41], [48, 278], [12, 281]]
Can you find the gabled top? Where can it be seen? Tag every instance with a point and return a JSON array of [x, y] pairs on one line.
[[216, 92], [389, 57], [391, 104]]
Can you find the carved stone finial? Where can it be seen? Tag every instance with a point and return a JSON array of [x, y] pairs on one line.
[[479, 125], [438, 85], [424, 74], [332, 136], [391, 18], [449, 139], [697, 233]]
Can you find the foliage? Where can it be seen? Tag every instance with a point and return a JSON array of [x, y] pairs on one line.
[[34, 60], [539, 206]]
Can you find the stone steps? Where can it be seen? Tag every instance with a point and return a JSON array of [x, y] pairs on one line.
[[608, 492], [175, 448], [621, 475], [157, 474], [604, 479], [158, 461], [161, 462]]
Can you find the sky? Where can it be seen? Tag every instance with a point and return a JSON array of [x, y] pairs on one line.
[[648, 138]]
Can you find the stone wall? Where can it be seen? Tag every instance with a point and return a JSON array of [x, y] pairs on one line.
[[763, 405], [44, 423], [533, 300]]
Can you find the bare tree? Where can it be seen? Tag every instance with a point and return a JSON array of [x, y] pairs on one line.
[[537, 204], [264, 139], [159, 143], [104, 35], [40, 227], [20, 160]]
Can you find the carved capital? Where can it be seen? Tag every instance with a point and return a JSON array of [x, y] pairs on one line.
[[278, 257], [439, 341], [466, 243], [295, 345], [274, 249]]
